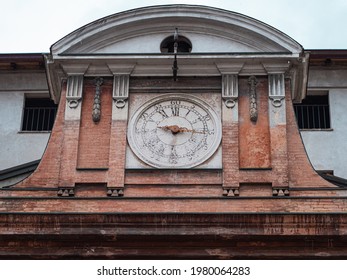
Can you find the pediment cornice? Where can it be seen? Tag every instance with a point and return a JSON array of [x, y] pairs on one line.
[[141, 31]]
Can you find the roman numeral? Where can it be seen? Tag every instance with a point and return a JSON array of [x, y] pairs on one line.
[[202, 119], [161, 111], [175, 111]]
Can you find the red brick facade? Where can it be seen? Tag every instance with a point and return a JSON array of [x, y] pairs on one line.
[[264, 200], [253, 153], [87, 159]]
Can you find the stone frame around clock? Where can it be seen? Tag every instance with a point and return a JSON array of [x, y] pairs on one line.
[[215, 114]]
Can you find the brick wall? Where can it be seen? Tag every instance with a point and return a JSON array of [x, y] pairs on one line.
[[94, 138], [254, 143], [91, 157], [47, 172]]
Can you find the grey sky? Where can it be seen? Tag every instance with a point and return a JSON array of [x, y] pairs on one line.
[[28, 26]]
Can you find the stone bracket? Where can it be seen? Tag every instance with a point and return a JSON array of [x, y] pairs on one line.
[[230, 91], [74, 90], [276, 89], [115, 192], [280, 191], [120, 90], [231, 192], [66, 192]]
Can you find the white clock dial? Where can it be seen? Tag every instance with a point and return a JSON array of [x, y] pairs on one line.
[[174, 131]]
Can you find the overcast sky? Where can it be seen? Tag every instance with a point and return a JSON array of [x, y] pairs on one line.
[[32, 26]]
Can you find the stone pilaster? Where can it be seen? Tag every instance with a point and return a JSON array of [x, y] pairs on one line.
[[73, 108], [230, 135], [278, 133], [118, 141]]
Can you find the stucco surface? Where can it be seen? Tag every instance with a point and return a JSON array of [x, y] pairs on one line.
[[327, 149], [17, 147]]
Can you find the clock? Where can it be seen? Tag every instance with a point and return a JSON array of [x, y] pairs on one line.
[[174, 131]]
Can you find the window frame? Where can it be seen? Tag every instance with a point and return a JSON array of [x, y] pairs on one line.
[[312, 119], [37, 126]]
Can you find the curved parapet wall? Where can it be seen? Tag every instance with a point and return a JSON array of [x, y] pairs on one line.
[[210, 30]]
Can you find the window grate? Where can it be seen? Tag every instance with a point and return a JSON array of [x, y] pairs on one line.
[[312, 116], [37, 117]]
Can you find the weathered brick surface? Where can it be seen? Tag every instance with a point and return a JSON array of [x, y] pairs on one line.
[[69, 154], [174, 190], [254, 222], [174, 177], [230, 141], [47, 173], [301, 172], [94, 138], [259, 153], [90, 190], [254, 204], [247, 190], [172, 236], [91, 157], [254, 137], [117, 151]]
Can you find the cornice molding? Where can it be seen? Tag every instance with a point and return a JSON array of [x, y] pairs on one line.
[[161, 20]]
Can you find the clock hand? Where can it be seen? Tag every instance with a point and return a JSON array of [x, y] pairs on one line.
[[173, 128], [184, 129], [176, 129]]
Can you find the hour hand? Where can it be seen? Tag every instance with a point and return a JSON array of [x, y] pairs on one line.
[[176, 129], [173, 128]]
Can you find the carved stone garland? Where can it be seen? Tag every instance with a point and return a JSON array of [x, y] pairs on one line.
[[97, 100], [253, 110]]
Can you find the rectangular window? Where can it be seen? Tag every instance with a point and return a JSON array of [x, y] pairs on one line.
[[38, 114], [313, 112]]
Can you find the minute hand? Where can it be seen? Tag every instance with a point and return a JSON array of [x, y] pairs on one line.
[[184, 129]]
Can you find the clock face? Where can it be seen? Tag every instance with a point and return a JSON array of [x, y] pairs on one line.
[[174, 131]]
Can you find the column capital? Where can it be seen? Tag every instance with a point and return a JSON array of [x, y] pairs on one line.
[[120, 90], [276, 89], [73, 97], [230, 89]]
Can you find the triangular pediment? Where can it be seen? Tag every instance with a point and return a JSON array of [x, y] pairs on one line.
[[210, 30]]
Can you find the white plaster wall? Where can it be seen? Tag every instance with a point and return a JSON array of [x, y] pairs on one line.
[[320, 78], [327, 150], [16, 147], [201, 43]]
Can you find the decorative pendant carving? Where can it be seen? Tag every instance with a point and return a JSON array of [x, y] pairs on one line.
[[231, 192], [97, 100], [280, 191], [66, 192], [115, 192], [253, 110]]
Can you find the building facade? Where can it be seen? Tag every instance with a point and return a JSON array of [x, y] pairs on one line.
[[175, 136], [325, 141], [23, 78]]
